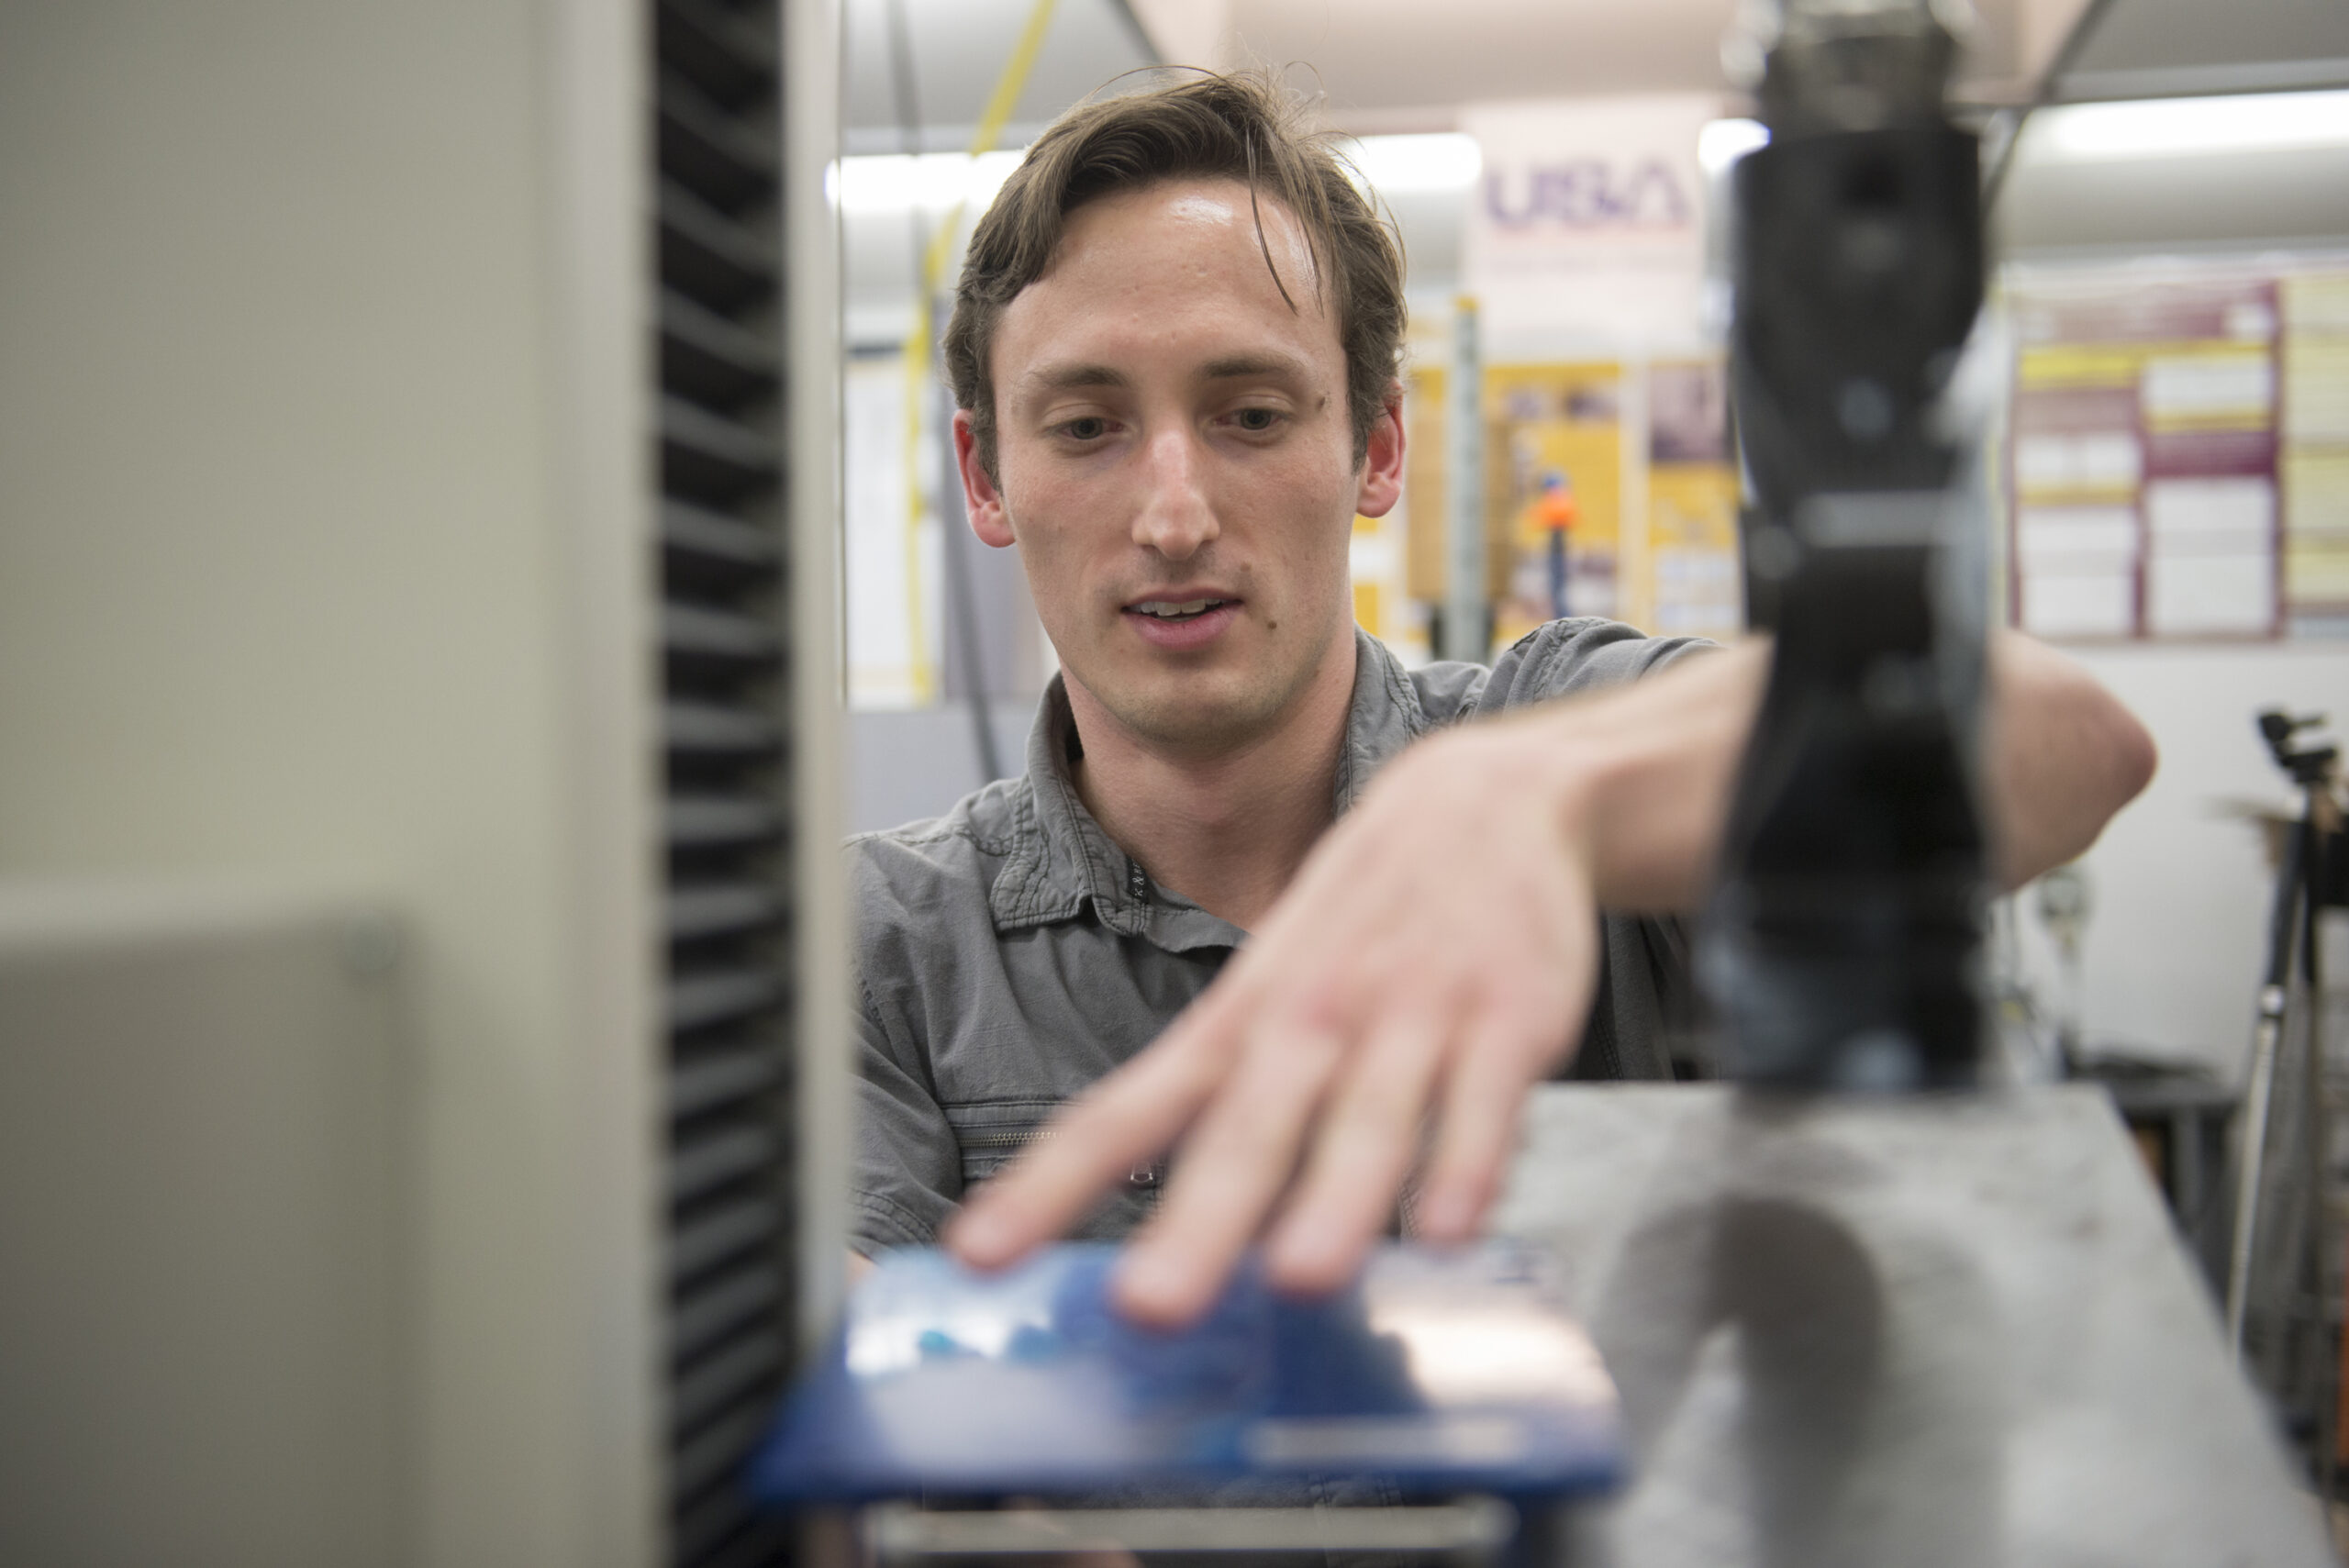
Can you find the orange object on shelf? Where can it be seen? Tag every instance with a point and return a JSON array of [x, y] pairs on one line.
[[1555, 509]]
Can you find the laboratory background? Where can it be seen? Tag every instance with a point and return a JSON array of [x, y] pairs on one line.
[[477, 528]]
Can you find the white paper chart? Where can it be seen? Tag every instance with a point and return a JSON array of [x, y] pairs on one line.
[[2178, 459]]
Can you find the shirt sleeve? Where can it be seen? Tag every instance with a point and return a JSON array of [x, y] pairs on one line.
[[908, 1175], [1645, 1020], [1581, 654]]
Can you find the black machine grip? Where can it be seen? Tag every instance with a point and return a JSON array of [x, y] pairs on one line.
[[1842, 947]]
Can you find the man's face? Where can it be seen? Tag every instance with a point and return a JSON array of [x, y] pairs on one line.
[[1175, 460]]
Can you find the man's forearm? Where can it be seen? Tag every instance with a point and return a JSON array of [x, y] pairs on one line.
[[1647, 771], [1437, 954], [2060, 756]]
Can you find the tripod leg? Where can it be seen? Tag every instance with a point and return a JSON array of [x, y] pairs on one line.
[[2259, 1091], [2324, 1364]]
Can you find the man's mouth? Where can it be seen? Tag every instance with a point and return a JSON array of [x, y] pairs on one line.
[[1177, 610]]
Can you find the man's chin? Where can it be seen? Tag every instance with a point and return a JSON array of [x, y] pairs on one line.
[[1209, 707], [1193, 726], [1195, 715]]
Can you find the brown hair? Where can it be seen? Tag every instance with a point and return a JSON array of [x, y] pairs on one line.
[[1243, 127]]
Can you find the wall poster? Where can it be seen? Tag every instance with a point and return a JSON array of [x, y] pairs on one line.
[[1697, 588], [1608, 491], [2180, 451], [1587, 222], [1553, 489], [891, 571], [2316, 451]]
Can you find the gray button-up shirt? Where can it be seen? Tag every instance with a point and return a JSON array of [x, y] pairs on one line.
[[1009, 953]]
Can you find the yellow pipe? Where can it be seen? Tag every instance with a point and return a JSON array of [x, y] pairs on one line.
[[1000, 103]]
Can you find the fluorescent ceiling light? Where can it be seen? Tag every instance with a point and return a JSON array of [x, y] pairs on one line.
[[2173, 127], [1447, 161], [1722, 142], [935, 181]]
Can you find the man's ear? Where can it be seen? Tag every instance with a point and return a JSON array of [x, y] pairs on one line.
[[982, 497], [1381, 463]]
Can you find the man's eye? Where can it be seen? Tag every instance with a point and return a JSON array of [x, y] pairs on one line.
[[1256, 419], [1089, 429]]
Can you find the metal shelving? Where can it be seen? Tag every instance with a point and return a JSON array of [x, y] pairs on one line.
[[726, 823]]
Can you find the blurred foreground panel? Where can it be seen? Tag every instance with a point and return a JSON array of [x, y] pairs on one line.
[[198, 1137]]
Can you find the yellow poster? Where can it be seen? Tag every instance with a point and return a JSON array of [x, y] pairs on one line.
[[2314, 468], [1608, 491], [1553, 489], [1694, 586]]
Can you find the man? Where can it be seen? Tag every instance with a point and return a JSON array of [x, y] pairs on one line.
[[1174, 348]]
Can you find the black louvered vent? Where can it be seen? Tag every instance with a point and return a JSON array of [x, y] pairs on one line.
[[724, 726]]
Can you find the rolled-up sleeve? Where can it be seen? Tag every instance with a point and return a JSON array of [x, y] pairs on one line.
[[908, 1169], [1584, 654], [908, 1175]]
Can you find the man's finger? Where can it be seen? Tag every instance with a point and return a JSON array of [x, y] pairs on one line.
[[1483, 1095], [1129, 1117], [1234, 1163], [1365, 1146]]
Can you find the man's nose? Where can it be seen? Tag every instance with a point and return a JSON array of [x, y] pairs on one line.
[[1175, 519]]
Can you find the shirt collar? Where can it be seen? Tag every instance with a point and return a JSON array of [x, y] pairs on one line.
[[1062, 858]]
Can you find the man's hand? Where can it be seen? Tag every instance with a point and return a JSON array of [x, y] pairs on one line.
[[1436, 957]]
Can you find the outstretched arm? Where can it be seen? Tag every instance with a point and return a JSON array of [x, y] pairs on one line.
[[1435, 959]]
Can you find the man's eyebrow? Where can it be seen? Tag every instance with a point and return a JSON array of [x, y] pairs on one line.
[[1234, 367], [1073, 376]]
